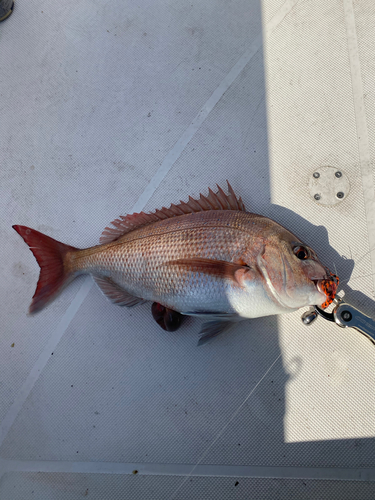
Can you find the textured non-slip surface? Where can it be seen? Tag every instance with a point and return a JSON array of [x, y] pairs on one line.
[[112, 107]]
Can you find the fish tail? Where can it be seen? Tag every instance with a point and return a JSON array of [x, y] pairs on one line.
[[54, 259]]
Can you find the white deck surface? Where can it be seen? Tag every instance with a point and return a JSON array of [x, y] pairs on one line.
[[111, 107]]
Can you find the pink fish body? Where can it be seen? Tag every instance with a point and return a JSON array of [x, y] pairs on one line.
[[207, 258]]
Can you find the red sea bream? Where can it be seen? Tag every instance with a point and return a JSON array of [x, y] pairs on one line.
[[207, 257]]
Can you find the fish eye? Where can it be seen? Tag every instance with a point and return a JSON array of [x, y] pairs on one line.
[[301, 252]]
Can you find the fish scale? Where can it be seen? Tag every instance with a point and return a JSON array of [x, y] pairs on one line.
[[138, 261]]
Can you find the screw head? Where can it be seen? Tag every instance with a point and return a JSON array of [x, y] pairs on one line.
[[317, 196], [338, 174], [340, 195], [346, 315], [316, 175]]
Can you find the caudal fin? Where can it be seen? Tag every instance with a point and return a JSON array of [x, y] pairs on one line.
[[55, 271]]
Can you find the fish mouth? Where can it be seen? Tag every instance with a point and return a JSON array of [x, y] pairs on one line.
[[328, 286]]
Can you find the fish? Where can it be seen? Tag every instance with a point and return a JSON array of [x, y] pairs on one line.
[[207, 258]]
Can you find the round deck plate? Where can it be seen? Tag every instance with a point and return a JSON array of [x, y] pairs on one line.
[[329, 186]]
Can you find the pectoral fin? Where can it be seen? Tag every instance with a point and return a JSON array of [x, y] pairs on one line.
[[220, 268]]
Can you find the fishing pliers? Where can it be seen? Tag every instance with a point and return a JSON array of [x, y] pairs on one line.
[[345, 316]]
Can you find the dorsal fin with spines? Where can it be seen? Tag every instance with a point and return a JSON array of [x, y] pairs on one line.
[[214, 201]]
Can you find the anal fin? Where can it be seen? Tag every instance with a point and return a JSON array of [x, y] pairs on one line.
[[116, 294]]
